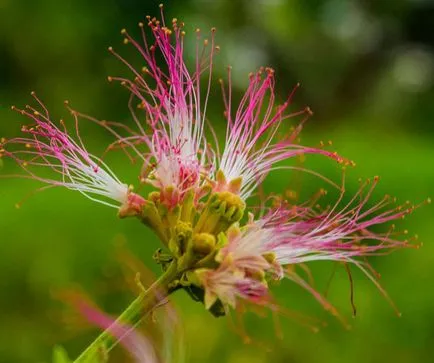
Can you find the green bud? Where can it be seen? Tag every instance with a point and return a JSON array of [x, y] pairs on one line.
[[222, 210], [203, 243], [181, 236]]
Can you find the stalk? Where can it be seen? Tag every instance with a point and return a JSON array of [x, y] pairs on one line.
[[139, 308]]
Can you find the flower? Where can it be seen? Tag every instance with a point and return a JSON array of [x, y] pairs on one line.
[[229, 260], [179, 158], [48, 147], [198, 208], [252, 148], [175, 109], [229, 284], [287, 236]]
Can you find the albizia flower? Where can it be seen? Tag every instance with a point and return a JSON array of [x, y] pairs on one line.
[[66, 160], [253, 146], [179, 158], [229, 283], [199, 204], [288, 236], [174, 106]]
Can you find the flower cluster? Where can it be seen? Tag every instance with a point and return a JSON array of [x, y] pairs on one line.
[[198, 208]]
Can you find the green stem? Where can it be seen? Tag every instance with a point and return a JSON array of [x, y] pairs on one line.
[[142, 305]]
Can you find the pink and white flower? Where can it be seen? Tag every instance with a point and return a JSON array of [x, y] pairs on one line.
[[174, 106], [47, 147], [292, 236], [341, 233], [179, 158], [229, 283], [253, 146]]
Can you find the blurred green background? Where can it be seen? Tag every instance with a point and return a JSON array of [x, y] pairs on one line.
[[367, 71]]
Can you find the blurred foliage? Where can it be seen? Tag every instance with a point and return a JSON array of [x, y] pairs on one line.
[[367, 70]]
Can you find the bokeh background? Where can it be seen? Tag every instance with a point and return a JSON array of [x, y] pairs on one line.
[[367, 70]]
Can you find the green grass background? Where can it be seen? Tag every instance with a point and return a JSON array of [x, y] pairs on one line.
[[367, 72]]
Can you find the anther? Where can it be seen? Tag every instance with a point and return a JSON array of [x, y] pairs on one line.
[[309, 111]]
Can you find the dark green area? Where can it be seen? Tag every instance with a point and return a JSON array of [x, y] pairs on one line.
[[367, 70]]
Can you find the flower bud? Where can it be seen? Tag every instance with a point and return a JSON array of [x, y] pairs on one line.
[[222, 210], [203, 243]]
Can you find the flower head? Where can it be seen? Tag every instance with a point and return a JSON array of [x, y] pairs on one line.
[[199, 207], [48, 147], [288, 236], [171, 97], [230, 284], [253, 146]]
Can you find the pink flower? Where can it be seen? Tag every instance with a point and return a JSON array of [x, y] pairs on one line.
[[253, 147], [48, 147], [179, 158], [292, 236], [228, 284], [340, 234], [171, 97]]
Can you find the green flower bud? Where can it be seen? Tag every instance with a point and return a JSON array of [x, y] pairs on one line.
[[222, 210]]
